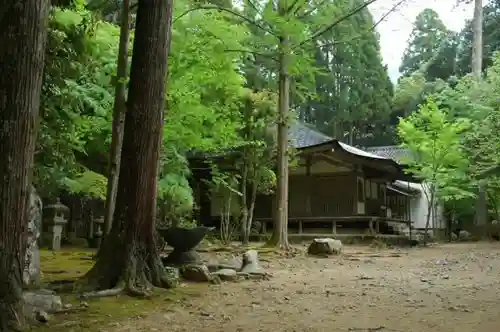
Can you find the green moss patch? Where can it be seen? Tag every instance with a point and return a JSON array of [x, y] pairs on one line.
[[66, 264], [103, 312], [71, 264]]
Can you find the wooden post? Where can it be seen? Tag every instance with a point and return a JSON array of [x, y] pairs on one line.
[[334, 228], [310, 185], [310, 188]]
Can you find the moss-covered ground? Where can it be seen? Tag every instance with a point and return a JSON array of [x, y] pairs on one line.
[[71, 264]]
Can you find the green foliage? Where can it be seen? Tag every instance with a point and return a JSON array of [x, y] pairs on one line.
[[77, 101], [478, 101], [88, 184], [413, 90], [352, 87], [257, 158], [436, 144], [431, 48], [491, 39], [204, 82], [76, 94], [175, 195]]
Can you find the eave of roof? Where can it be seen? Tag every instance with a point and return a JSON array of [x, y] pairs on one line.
[[403, 191], [388, 164]]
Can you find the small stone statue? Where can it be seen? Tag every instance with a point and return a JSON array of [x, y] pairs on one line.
[[183, 240]]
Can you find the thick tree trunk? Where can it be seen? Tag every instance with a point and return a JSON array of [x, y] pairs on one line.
[[128, 257], [477, 39], [477, 64], [118, 116], [279, 237], [22, 52]]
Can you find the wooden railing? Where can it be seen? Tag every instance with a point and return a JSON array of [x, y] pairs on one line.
[[373, 222]]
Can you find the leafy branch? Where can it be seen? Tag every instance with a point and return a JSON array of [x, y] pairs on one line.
[[363, 34], [327, 28], [310, 11], [227, 10]]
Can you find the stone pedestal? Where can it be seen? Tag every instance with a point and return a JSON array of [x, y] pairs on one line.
[[179, 258], [31, 271], [184, 242], [55, 217]]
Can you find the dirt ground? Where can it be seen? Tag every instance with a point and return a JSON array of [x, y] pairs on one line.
[[452, 287]]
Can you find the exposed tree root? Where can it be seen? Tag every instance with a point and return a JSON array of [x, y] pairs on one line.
[[62, 286], [69, 310], [105, 292], [279, 239], [12, 316], [125, 266], [283, 245]]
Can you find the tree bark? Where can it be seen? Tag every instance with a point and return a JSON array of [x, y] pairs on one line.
[[430, 215], [251, 208], [244, 202], [279, 236], [22, 53], [477, 39], [129, 259], [118, 117], [477, 64]]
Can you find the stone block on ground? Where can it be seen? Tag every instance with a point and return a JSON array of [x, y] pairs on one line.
[[325, 246], [233, 263], [180, 258], [198, 273], [42, 301], [250, 262], [42, 316], [226, 274], [463, 235], [173, 275]]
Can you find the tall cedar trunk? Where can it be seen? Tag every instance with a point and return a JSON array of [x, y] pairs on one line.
[[248, 135], [279, 237], [244, 202], [477, 64], [22, 52], [128, 257], [118, 117]]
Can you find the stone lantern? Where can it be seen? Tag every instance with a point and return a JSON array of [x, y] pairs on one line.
[[55, 219], [98, 233]]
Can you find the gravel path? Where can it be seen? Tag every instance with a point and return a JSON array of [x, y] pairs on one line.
[[443, 288]]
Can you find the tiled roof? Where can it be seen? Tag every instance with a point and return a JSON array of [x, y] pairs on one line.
[[394, 152], [303, 135]]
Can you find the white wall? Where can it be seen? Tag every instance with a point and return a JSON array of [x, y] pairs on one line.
[[419, 209]]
